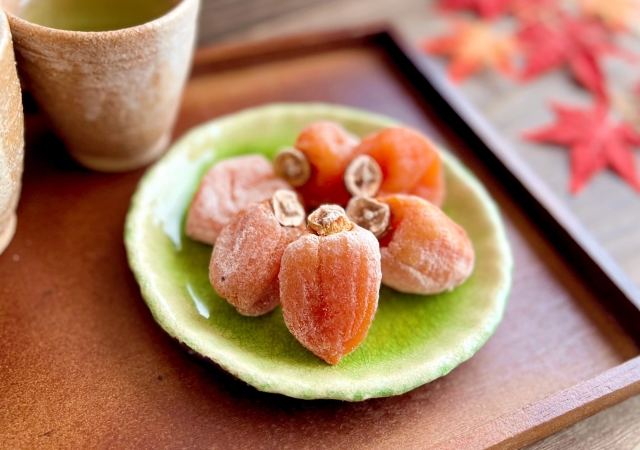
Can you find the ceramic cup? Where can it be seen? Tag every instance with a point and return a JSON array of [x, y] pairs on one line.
[[11, 136], [112, 97]]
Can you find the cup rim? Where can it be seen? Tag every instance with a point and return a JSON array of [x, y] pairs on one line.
[[182, 7]]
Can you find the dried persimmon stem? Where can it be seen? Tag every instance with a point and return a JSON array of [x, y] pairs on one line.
[[329, 219], [363, 176], [370, 214], [293, 166], [287, 209]]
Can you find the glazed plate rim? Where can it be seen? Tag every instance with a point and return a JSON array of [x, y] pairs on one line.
[[381, 385]]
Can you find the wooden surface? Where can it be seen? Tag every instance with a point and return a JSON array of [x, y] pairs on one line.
[[511, 109], [84, 365], [615, 428]]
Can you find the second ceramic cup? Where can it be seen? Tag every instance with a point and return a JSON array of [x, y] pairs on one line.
[[111, 96]]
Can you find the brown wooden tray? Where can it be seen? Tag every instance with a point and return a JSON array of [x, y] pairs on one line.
[[83, 364]]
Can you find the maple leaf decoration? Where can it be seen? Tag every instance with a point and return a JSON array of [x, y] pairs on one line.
[[617, 15], [577, 43], [533, 10], [486, 9], [595, 143], [473, 46], [492, 9]]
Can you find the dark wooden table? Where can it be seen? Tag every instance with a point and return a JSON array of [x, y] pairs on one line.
[[511, 108]]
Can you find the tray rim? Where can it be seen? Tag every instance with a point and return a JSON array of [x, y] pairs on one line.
[[546, 210], [592, 264]]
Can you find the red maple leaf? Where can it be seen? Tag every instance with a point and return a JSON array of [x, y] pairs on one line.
[[472, 46], [577, 43], [491, 9], [486, 9], [534, 10], [595, 143]]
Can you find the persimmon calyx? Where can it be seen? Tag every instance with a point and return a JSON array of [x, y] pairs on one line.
[[287, 209], [370, 214], [363, 176], [292, 166], [329, 219]]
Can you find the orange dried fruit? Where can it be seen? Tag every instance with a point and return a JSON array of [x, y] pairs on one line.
[[246, 258], [227, 188], [410, 163], [422, 250], [326, 148], [329, 284]]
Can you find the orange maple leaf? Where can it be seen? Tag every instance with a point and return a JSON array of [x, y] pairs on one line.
[[473, 46], [617, 15]]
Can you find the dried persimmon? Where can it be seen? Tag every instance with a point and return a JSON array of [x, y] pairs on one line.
[[422, 250], [246, 258], [227, 188], [317, 163], [329, 284], [409, 162]]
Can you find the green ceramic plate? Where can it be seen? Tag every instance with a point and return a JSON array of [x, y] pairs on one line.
[[413, 339]]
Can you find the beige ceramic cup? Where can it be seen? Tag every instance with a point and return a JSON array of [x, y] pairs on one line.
[[112, 97], [11, 136]]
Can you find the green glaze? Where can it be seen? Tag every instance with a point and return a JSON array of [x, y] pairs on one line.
[[413, 339], [93, 15]]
